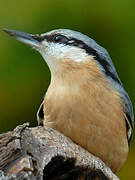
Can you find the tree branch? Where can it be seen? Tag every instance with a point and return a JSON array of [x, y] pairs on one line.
[[27, 153]]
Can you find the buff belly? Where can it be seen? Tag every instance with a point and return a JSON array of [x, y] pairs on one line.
[[89, 111]]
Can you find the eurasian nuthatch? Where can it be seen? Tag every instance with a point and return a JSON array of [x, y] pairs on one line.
[[86, 100]]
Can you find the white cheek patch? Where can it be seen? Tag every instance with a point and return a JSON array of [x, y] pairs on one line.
[[61, 51], [76, 54], [54, 52]]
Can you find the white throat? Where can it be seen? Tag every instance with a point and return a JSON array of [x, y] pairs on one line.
[[53, 53]]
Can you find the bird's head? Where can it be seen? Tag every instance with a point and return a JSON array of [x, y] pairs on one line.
[[63, 45], [58, 45]]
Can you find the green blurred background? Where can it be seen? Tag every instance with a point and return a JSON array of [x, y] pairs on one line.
[[24, 76]]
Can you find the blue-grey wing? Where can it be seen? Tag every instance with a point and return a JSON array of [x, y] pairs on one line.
[[129, 115], [117, 84]]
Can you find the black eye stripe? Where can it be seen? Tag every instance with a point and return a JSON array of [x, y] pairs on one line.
[[58, 38]]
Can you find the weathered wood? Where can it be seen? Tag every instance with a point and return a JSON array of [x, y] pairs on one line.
[[25, 151]]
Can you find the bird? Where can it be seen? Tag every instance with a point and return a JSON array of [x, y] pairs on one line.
[[86, 100]]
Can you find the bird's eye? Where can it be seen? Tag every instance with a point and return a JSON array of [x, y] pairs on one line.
[[60, 39]]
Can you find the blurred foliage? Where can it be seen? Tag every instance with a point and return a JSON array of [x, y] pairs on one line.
[[24, 76]]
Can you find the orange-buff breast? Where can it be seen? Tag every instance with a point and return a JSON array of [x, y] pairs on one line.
[[82, 105]]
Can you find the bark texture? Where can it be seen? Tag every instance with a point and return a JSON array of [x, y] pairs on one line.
[[26, 152]]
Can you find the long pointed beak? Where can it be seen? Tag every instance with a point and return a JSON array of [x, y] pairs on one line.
[[24, 37]]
